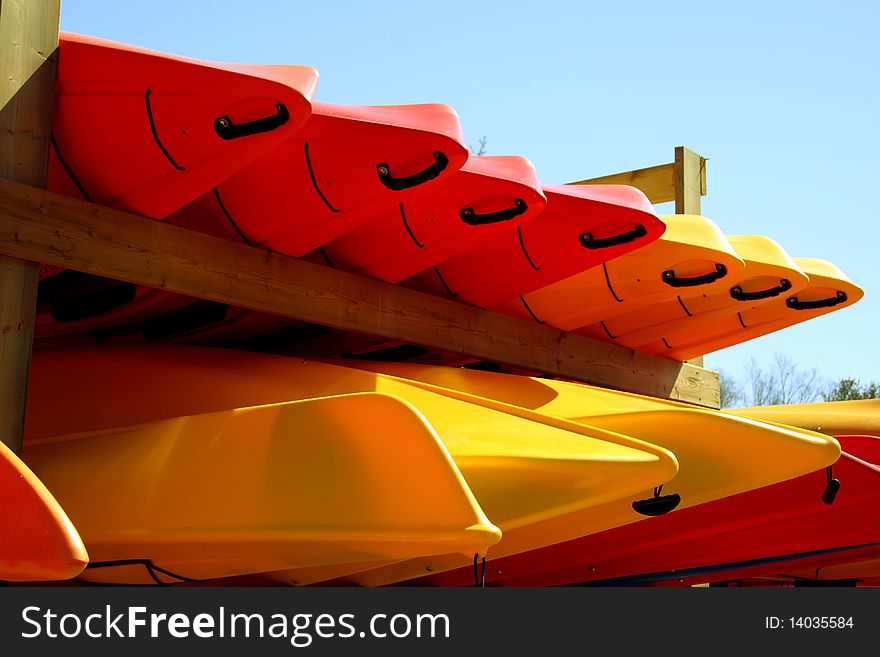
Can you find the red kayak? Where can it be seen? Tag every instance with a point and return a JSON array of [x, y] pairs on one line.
[[483, 200], [347, 164], [581, 227], [37, 540], [757, 527], [149, 132]]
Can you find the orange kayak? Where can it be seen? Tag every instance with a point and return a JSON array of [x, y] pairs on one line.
[[347, 164], [769, 272], [483, 200], [581, 227], [37, 539], [828, 290], [693, 255]]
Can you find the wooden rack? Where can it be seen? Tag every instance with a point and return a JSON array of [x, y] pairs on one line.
[[37, 226]]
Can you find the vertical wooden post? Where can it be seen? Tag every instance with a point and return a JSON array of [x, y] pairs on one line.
[[28, 47], [689, 180]]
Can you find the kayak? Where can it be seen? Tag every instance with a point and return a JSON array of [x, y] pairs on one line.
[[858, 416], [581, 227], [786, 518], [850, 560], [347, 164], [148, 132], [487, 197], [316, 482], [530, 473], [769, 272], [828, 290], [37, 539], [741, 455], [693, 254]]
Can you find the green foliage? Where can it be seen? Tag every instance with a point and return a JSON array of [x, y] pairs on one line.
[[846, 389]]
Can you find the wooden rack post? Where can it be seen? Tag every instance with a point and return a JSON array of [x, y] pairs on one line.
[[682, 181], [28, 45]]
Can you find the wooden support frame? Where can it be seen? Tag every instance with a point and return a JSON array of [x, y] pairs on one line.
[[40, 227], [683, 180], [28, 46], [46, 227]]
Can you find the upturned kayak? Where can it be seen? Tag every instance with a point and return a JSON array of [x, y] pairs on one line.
[[769, 272], [37, 539], [280, 487], [488, 196], [530, 473], [853, 417], [347, 164], [581, 227], [828, 290], [709, 468], [692, 255]]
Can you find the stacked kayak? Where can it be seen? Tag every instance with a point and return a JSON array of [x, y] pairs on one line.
[[836, 418], [769, 271], [37, 539], [528, 471], [154, 458], [262, 489], [149, 132], [693, 255]]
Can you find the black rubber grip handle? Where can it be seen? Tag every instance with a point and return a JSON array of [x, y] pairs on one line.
[[471, 218], [592, 243], [406, 182], [737, 292], [796, 304], [657, 506], [672, 280], [226, 129]]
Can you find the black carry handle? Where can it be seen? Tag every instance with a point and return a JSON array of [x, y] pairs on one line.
[[399, 184], [657, 505], [796, 304], [471, 218], [590, 242], [227, 130], [672, 280], [737, 292]]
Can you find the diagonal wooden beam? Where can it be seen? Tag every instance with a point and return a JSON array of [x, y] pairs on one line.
[[47, 227]]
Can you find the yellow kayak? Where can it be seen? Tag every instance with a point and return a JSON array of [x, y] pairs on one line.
[[692, 255], [769, 272], [718, 454], [837, 418], [828, 290], [528, 471], [318, 482]]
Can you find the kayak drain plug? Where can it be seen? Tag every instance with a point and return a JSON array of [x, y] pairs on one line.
[[831, 487], [657, 505]]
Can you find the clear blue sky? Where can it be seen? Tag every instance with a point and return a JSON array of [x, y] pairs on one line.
[[782, 97]]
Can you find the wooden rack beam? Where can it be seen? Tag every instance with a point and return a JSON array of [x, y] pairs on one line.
[[682, 181], [28, 45], [46, 227]]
